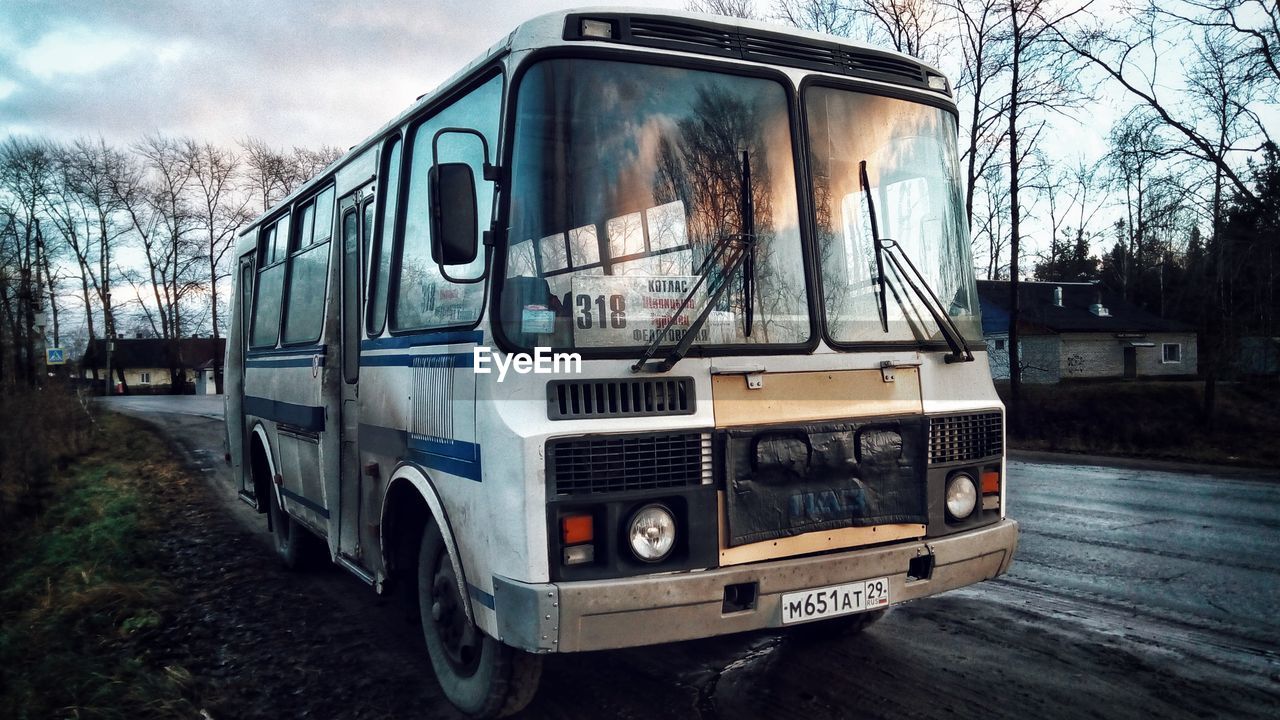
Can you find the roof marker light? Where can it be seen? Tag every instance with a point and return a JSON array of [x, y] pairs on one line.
[[936, 82], [597, 29]]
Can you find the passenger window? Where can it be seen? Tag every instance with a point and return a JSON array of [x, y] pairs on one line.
[[389, 194], [424, 299], [266, 307], [309, 271]]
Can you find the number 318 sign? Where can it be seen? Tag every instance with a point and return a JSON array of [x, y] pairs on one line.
[[614, 310]]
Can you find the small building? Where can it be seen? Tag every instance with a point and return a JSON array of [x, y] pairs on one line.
[[1082, 330], [145, 363]]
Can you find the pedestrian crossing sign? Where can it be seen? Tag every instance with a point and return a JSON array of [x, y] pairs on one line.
[[55, 356]]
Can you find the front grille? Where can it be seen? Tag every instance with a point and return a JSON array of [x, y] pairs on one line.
[[617, 463], [614, 398], [707, 38], [963, 438]]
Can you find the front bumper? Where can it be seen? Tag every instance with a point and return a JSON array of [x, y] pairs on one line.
[[606, 614]]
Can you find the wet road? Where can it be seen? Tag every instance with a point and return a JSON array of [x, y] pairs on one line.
[[1135, 593]]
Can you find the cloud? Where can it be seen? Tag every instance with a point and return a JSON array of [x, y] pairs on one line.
[[304, 74], [76, 51]]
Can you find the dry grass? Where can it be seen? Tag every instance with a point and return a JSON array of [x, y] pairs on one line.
[[79, 590], [1152, 419], [41, 430]]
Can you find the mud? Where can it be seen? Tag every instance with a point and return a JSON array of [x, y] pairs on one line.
[[1127, 602]]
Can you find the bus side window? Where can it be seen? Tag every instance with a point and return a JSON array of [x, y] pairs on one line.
[[309, 271], [380, 272], [269, 289], [424, 299]]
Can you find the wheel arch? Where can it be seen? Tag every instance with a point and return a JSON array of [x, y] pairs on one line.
[[261, 457], [399, 525]]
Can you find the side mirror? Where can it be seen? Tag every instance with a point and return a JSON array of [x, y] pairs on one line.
[[453, 214]]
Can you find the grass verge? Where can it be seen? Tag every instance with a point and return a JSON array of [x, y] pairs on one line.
[[79, 590], [1150, 419]]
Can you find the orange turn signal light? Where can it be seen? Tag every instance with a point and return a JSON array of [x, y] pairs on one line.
[[990, 482], [577, 529]]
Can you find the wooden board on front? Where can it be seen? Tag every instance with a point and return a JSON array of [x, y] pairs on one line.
[[809, 396], [813, 542]]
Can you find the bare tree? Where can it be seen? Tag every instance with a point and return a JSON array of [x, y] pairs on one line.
[[1041, 78], [274, 173], [991, 222], [910, 26], [27, 171], [1251, 25], [745, 9], [220, 208], [1129, 55], [164, 221], [985, 52], [833, 17]]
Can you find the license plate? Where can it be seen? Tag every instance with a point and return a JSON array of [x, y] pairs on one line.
[[835, 600]]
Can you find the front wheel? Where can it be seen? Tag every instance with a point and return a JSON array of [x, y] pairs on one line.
[[479, 675]]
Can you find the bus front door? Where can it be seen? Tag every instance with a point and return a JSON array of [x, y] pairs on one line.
[[356, 213]]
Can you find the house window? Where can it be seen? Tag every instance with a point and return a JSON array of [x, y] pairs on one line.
[[144, 378], [1172, 353], [999, 345]]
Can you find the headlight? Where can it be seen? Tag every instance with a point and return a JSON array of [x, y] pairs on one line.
[[962, 496], [652, 533]]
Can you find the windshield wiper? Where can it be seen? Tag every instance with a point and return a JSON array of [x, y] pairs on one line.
[[883, 305], [914, 280], [740, 251]]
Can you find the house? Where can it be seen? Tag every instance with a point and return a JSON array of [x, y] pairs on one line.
[[145, 362], [1082, 330]]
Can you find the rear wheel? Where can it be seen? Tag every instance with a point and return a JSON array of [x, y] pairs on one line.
[[479, 675], [295, 545]]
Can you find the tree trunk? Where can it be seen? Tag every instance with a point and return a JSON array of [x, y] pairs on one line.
[[1015, 367]]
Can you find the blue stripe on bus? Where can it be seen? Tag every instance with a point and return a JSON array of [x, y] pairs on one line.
[[480, 596], [434, 338], [460, 360], [306, 417], [309, 504], [456, 457]]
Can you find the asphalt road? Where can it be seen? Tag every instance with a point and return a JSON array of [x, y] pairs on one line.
[[1135, 594]]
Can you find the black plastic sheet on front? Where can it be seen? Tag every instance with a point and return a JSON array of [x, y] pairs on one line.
[[785, 481]]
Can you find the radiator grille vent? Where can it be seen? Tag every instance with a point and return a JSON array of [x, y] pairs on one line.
[[639, 397], [628, 462], [707, 38], [962, 438]]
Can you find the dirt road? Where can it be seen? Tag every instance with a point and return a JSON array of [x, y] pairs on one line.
[[1135, 594]]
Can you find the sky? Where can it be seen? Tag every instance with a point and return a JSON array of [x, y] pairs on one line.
[[291, 73], [295, 74]]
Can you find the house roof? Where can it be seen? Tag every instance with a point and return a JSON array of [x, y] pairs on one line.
[[1039, 314], [155, 352]]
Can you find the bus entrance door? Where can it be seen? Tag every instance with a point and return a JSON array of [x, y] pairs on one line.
[[355, 211]]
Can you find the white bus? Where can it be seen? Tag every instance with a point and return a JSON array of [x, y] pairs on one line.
[[742, 254]]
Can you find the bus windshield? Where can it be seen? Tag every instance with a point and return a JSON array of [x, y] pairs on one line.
[[625, 176], [913, 172]]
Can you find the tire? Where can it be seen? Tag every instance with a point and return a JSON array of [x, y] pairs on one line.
[[837, 628], [481, 677], [296, 547]]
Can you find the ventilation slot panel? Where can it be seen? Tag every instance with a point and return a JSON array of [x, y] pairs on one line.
[[710, 38], [964, 438], [640, 397], [621, 463]]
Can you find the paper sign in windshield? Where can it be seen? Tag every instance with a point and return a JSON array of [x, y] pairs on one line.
[[629, 310]]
